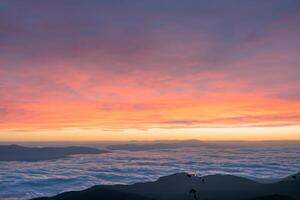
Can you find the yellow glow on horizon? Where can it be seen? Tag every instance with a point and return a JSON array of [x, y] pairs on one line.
[[209, 134]]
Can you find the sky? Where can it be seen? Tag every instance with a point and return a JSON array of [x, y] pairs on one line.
[[149, 70]]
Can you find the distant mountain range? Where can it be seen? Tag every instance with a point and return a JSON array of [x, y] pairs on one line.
[[173, 144], [183, 186], [156, 146], [20, 153]]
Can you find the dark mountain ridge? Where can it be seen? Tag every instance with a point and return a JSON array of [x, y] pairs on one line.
[[183, 186], [21, 153]]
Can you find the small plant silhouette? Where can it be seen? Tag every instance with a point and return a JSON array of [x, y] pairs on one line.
[[194, 193]]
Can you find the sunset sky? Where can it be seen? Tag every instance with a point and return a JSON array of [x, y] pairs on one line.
[[149, 70]]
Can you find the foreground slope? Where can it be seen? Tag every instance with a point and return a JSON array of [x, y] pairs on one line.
[[183, 186], [97, 193]]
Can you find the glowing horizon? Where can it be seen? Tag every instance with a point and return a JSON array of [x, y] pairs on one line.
[[149, 70]]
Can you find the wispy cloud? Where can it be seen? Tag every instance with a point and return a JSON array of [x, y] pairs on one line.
[[108, 65]]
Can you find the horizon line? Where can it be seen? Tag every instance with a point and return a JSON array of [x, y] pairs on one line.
[[174, 140]]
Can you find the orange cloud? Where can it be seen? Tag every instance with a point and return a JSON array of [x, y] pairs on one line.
[[149, 69]]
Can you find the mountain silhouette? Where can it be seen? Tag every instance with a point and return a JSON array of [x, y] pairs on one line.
[[182, 187], [20, 153], [157, 146]]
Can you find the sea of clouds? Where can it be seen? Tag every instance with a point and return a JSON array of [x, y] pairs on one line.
[[24, 180]]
